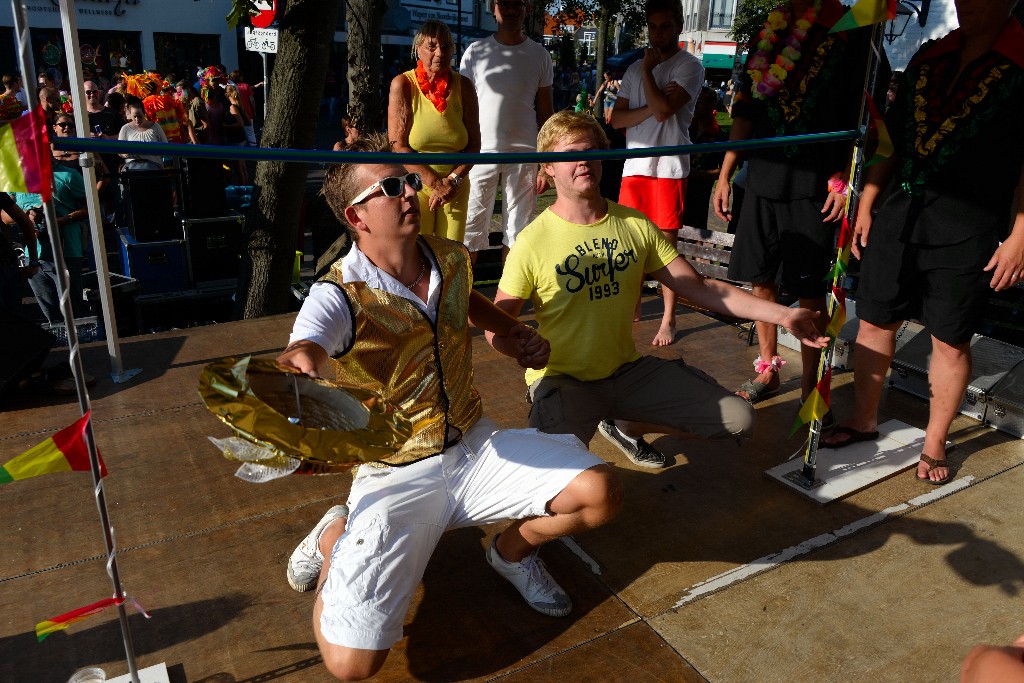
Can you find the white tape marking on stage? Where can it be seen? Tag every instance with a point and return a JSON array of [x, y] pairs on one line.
[[576, 550], [767, 562], [945, 490]]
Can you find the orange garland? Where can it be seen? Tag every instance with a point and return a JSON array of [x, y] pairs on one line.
[[437, 90]]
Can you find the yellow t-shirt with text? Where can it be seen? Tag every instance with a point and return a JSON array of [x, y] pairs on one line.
[[584, 282]]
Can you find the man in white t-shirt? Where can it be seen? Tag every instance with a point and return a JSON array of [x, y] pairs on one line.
[[655, 106], [513, 76]]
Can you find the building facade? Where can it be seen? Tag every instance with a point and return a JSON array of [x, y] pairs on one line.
[[114, 36], [706, 28]]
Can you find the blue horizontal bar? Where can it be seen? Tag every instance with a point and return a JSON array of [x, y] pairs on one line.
[[331, 157]]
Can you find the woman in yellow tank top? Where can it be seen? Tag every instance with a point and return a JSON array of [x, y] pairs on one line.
[[433, 109]]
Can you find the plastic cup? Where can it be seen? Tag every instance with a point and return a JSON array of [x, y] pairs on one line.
[[90, 674]]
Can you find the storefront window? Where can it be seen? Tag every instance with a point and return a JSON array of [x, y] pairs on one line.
[[182, 54], [105, 55]]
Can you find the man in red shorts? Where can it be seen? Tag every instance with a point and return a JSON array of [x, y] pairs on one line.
[[655, 106]]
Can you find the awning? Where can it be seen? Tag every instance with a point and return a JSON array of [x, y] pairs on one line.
[[717, 61]]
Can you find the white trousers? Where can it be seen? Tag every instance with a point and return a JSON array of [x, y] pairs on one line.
[[519, 199]]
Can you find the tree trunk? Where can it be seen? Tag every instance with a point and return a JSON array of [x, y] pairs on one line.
[[364, 63], [306, 31], [534, 27]]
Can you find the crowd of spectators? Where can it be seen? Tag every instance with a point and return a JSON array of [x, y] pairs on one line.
[[138, 108]]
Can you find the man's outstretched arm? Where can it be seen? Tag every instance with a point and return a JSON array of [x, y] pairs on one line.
[[718, 296]]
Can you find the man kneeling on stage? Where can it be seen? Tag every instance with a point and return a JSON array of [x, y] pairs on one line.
[[393, 314]]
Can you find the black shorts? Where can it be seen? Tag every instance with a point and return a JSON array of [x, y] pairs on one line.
[[774, 235], [944, 286]]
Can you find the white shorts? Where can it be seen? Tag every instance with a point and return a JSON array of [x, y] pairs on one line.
[[519, 199], [399, 513]]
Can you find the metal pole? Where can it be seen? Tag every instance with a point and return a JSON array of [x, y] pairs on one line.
[[28, 73], [266, 88], [807, 473], [69, 25]]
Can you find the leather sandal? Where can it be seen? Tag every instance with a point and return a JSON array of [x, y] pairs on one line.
[[853, 436], [932, 464], [758, 391]]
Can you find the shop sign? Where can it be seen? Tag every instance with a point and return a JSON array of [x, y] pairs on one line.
[[111, 8], [420, 15], [261, 40]]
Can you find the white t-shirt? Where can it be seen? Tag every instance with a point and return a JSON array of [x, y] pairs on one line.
[[685, 70], [325, 317], [152, 134], [507, 78]]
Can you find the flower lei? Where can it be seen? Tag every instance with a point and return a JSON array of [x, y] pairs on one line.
[[934, 140], [767, 74], [437, 90], [774, 365]]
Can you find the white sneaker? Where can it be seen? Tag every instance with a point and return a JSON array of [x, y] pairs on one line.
[[532, 580], [306, 561]]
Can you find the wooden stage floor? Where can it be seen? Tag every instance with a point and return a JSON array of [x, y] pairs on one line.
[[712, 571]]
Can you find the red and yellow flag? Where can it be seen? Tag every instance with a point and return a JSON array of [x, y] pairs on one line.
[[25, 156], [865, 13], [844, 244], [65, 451], [838, 319], [54, 624], [59, 623], [879, 142], [816, 405]]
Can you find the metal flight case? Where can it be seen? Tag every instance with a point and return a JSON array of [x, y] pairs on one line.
[[146, 208], [213, 247], [992, 360], [1006, 403], [158, 266]]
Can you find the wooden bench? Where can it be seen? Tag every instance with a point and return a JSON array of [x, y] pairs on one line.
[[709, 251]]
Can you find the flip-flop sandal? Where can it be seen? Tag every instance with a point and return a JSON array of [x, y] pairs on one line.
[[932, 464], [758, 391], [854, 436]]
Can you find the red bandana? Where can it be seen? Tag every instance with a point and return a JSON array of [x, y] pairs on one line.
[[437, 90]]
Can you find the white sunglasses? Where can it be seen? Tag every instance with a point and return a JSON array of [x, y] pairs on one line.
[[392, 186]]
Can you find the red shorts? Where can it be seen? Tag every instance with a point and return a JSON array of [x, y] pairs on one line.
[[660, 199]]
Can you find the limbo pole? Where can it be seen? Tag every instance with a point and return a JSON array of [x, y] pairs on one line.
[[825, 362], [28, 73]]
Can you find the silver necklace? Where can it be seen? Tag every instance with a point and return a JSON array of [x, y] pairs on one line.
[[423, 271]]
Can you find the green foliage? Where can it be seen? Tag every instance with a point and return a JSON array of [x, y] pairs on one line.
[[241, 10], [750, 19], [585, 11]]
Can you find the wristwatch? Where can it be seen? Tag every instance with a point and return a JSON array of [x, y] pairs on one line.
[[456, 179]]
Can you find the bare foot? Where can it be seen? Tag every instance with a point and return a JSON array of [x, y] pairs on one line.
[[636, 312], [771, 378], [666, 335]]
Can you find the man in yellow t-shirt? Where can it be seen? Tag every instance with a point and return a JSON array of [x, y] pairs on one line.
[[582, 263]]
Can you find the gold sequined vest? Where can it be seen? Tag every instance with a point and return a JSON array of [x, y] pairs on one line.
[[423, 368]]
